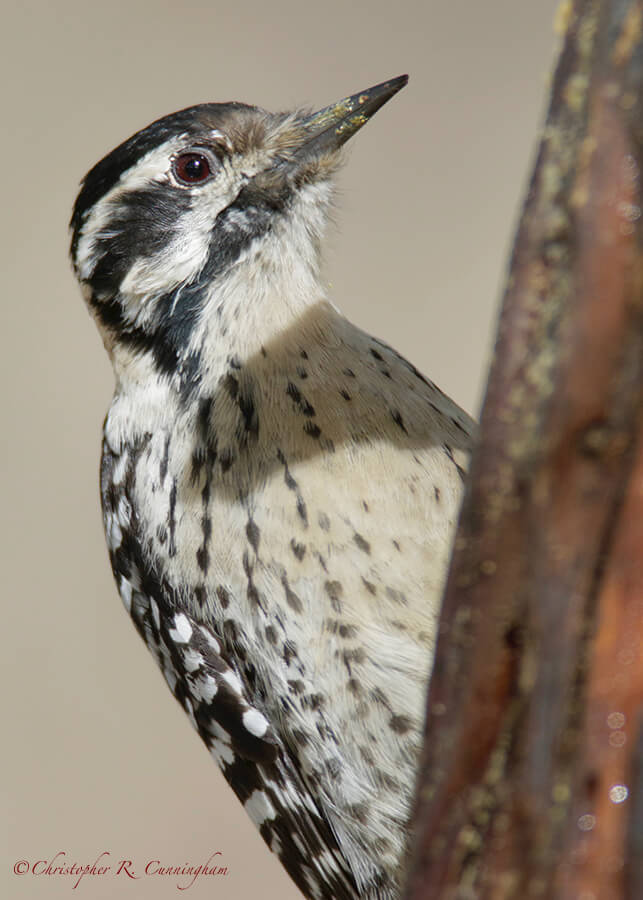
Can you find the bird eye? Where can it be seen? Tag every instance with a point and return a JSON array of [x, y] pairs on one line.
[[192, 168]]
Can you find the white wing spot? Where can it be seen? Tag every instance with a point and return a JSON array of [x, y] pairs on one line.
[[114, 533], [311, 881], [205, 688], [119, 469], [182, 631], [275, 845], [234, 682], [222, 754], [212, 641], [126, 594], [298, 843], [259, 808], [255, 722], [192, 659], [219, 734], [155, 612]]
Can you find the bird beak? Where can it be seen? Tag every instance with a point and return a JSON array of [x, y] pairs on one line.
[[333, 126]]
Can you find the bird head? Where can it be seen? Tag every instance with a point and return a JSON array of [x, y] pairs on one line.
[[210, 197]]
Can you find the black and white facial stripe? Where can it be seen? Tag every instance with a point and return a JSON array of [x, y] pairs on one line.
[[150, 249]]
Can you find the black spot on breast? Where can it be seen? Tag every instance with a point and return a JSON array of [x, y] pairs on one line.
[[298, 549], [378, 695], [436, 492], [252, 593], [292, 599], [224, 596], [396, 596], [399, 421], [369, 586], [206, 526], [385, 780], [203, 559], [303, 354], [226, 459], [449, 452], [349, 373], [231, 385], [323, 521], [376, 355], [301, 372], [291, 484], [361, 543], [334, 590], [289, 652], [320, 559], [345, 394], [231, 631], [249, 413], [300, 401], [301, 510], [164, 459], [359, 812], [293, 391], [355, 656], [367, 756], [271, 635], [197, 463], [300, 737], [172, 520], [400, 724], [348, 631], [253, 534], [312, 430]]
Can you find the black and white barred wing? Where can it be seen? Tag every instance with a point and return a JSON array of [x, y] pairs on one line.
[[254, 761]]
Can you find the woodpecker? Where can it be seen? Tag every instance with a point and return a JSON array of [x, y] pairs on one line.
[[279, 489]]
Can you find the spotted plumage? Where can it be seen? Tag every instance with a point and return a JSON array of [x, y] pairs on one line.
[[279, 489]]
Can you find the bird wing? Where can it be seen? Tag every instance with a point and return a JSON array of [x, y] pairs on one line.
[[253, 758]]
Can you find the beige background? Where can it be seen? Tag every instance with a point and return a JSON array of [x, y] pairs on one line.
[[97, 755]]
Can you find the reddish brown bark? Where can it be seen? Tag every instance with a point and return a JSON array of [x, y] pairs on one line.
[[531, 782]]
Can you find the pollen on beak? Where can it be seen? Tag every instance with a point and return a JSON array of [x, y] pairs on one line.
[[331, 127]]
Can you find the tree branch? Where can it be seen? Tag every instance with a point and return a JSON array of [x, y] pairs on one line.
[[531, 781]]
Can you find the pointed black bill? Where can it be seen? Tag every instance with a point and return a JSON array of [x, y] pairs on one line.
[[333, 126]]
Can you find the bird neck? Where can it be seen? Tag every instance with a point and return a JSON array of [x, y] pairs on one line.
[[271, 287]]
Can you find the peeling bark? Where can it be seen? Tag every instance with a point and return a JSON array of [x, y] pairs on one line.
[[531, 780]]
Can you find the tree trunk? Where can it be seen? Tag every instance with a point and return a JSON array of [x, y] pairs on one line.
[[531, 780]]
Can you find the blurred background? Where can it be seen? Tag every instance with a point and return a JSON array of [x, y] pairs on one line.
[[97, 755]]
